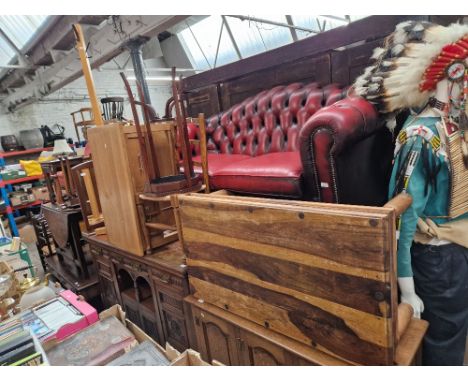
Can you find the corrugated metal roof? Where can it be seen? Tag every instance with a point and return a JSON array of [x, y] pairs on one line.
[[19, 29]]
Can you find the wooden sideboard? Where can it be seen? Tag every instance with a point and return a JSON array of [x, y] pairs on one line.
[[233, 340], [151, 289]]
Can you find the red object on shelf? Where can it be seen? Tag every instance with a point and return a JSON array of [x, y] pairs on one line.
[[32, 204], [23, 152], [21, 180]]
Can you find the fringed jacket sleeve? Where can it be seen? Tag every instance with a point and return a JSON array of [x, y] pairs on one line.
[[419, 188]]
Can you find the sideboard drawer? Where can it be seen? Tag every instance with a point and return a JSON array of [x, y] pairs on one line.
[[104, 267], [96, 251], [168, 300], [165, 279]]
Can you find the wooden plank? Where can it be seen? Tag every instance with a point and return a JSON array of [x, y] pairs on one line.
[[352, 234], [295, 318], [360, 293], [410, 342], [247, 200], [115, 186]]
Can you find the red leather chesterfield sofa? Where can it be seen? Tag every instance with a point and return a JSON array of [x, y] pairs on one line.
[[298, 142], [253, 147], [347, 154]]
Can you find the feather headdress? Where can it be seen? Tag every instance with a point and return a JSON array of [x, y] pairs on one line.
[[409, 65]]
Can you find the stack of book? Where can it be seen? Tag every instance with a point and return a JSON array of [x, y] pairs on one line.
[[18, 348], [97, 344]]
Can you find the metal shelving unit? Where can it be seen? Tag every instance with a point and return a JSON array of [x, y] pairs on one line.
[[6, 186]]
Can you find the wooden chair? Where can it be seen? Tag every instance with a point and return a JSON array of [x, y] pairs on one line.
[[85, 182], [160, 190], [112, 108], [83, 119], [202, 144], [59, 181], [44, 242]]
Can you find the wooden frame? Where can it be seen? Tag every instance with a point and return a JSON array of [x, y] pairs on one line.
[[333, 289], [84, 123], [85, 182], [202, 144]]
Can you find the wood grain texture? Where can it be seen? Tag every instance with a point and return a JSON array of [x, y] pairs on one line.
[[120, 177], [353, 232], [303, 354], [319, 274], [115, 187], [410, 343]]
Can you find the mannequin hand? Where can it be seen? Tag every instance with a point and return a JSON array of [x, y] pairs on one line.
[[409, 296]]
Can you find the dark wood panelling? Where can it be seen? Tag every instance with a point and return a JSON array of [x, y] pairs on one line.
[[304, 70], [348, 64], [204, 100]]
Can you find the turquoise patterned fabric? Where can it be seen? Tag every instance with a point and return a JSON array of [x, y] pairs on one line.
[[429, 200]]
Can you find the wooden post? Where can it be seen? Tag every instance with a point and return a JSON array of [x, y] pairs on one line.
[[400, 203], [204, 151], [81, 47]]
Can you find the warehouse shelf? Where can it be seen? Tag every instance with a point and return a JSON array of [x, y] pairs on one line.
[[32, 204], [6, 186], [21, 180], [9, 154]]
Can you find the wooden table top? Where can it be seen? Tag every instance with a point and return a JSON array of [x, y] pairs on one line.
[[170, 257]]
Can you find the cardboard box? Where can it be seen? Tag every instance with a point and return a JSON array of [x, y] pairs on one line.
[[188, 358], [41, 193], [18, 198]]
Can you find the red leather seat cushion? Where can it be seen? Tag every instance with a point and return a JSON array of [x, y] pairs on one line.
[[218, 161], [276, 174]]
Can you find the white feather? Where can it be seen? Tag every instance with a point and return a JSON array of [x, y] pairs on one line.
[[377, 53], [398, 49]]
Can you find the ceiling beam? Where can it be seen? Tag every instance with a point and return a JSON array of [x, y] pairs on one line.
[[102, 49], [270, 22], [19, 54], [291, 29]]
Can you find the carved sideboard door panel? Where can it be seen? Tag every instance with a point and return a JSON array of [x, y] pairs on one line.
[[255, 351], [216, 338]]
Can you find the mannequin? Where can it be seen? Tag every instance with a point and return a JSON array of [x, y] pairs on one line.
[[406, 284], [424, 66]]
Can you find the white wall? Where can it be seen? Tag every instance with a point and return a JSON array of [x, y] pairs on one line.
[[56, 108]]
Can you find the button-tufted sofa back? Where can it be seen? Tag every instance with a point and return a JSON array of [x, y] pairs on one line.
[[267, 122]]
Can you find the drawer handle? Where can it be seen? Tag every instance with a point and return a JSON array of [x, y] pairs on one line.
[[164, 279]]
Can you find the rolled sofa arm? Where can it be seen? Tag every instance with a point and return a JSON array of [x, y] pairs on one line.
[[339, 153]]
